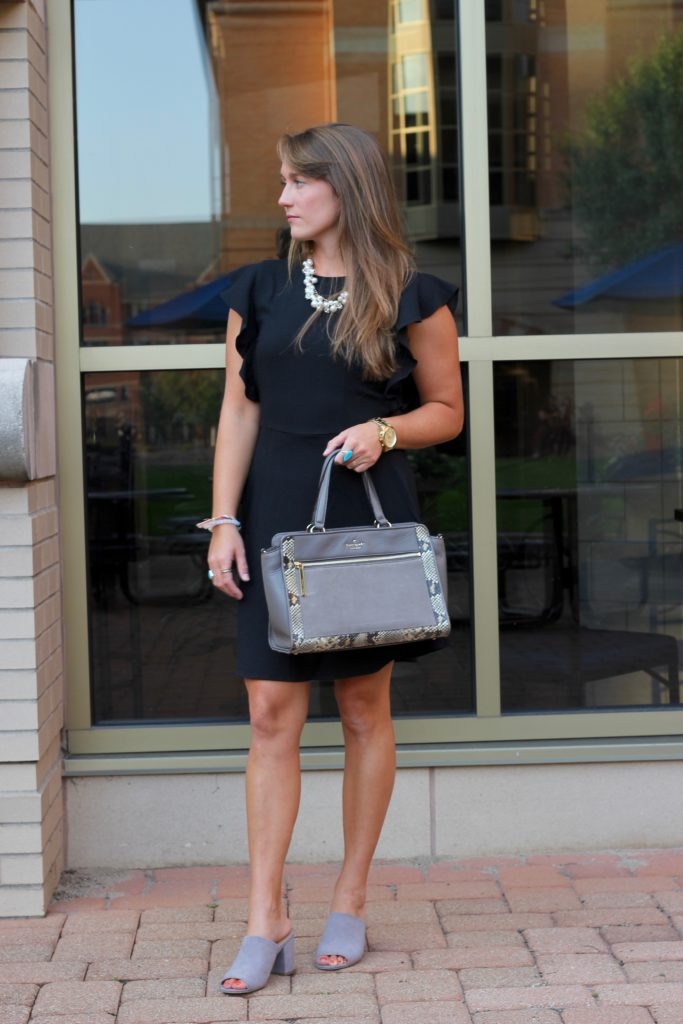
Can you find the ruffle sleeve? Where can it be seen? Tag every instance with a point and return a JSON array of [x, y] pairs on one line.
[[421, 298], [240, 296]]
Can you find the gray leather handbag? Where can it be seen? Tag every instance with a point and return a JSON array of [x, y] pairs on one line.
[[364, 586]]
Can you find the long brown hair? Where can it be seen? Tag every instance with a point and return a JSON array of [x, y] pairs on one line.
[[377, 260]]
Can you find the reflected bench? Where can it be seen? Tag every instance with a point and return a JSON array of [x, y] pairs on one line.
[[571, 657]]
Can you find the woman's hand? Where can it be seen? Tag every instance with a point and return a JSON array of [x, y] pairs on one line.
[[362, 441], [227, 560]]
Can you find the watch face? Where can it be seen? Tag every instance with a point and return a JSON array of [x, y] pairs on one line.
[[389, 439]]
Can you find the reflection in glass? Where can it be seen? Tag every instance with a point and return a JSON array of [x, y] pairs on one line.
[[162, 638], [417, 109], [162, 642], [414, 71], [589, 477], [586, 158], [409, 10], [147, 170], [444, 679], [176, 188], [423, 135]]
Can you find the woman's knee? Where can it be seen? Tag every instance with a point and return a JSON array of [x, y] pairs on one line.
[[276, 714], [363, 710]]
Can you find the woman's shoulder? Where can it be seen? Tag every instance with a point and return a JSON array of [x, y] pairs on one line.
[[261, 272], [423, 294], [429, 286], [253, 281]]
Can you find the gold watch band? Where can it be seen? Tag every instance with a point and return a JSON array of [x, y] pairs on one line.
[[386, 434]]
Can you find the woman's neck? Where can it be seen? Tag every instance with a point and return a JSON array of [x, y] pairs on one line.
[[328, 261]]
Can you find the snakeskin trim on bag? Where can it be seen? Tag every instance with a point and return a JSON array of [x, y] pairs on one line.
[[302, 644], [441, 616], [290, 574]]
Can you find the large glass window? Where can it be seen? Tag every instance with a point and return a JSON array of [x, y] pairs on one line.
[[162, 638], [176, 157], [577, 504], [577, 485], [178, 186], [586, 166], [148, 159], [589, 477]]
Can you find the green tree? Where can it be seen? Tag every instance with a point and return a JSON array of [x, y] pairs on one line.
[[626, 166], [175, 399]]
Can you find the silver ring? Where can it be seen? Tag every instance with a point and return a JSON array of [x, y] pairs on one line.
[[210, 574], [223, 571]]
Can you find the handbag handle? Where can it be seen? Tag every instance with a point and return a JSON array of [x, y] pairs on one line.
[[317, 523]]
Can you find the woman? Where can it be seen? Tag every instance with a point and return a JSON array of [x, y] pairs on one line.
[[345, 347]]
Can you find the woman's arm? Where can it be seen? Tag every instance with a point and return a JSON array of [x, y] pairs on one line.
[[440, 415], [237, 431]]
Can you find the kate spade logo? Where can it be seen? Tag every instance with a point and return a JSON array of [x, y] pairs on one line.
[[354, 545]]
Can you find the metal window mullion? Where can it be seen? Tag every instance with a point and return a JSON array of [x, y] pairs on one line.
[[66, 314], [196, 356], [483, 538], [476, 251], [476, 228]]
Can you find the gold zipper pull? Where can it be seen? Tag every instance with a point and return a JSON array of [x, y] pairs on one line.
[[302, 578]]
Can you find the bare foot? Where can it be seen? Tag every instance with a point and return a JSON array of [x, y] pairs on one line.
[[233, 985], [332, 960]]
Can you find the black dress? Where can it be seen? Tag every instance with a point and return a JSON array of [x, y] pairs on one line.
[[306, 397]]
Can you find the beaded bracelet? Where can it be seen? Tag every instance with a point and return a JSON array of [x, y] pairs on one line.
[[208, 524]]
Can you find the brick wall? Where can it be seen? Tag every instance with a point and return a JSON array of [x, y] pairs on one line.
[[31, 676]]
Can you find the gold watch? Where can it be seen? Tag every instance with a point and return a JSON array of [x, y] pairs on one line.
[[386, 434]]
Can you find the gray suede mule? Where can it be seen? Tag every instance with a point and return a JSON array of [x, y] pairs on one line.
[[344, 935], [257, 959]]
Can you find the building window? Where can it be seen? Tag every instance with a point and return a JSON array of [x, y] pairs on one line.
[[581, 465], [160, 235], [588, 484], [581, 122]]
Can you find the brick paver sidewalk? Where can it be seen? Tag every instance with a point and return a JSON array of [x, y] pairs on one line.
[[577, 939]]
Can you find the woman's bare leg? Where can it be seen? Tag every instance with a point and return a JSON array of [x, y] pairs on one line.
[[369, 772], [277, 714]]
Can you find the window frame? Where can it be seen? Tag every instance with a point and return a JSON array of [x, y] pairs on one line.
[[486, 737]]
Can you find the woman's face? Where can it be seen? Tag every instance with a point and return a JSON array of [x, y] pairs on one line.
[[310, 205]]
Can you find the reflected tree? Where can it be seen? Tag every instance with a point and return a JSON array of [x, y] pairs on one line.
[[626, 166], [180, 406]]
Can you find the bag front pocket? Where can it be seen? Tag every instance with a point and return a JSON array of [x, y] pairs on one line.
[[363, 595], [303, 567]]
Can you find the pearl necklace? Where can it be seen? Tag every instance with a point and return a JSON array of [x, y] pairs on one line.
[[314, 297]]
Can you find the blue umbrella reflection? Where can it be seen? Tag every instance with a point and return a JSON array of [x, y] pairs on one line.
[[658, 275]]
